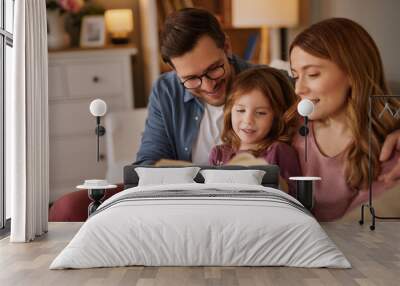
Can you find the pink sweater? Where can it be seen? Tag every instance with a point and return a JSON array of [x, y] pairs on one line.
[[278, 153], [333, 197]]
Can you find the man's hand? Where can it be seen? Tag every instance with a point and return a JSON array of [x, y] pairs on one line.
[[391, 144], [392, 177]]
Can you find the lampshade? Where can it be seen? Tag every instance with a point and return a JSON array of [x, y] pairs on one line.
[[98, 107], [305, 107], [119, 22], [271, 13]]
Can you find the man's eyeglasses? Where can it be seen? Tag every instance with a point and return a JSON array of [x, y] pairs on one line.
[[213, 74]]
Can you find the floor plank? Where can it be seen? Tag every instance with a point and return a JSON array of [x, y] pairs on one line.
[[375, 257]]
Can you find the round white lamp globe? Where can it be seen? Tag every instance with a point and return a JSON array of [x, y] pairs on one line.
[[98, 107], [305, 107]]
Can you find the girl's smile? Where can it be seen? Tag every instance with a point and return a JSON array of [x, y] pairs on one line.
[[252, 118]]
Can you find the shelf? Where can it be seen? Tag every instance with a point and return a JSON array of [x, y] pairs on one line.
[[106, 47]]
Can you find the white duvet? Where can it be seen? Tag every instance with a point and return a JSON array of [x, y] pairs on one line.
[[206, 230]]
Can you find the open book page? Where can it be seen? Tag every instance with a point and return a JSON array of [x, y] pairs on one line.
[[169, 162], [243, 159], [246, 159]]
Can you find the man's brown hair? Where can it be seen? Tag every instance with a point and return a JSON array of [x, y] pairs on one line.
[[182, 30]]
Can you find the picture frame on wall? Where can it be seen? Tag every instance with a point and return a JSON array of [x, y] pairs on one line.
[[93, 32]]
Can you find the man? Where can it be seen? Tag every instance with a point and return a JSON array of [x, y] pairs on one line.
[[186, 105]]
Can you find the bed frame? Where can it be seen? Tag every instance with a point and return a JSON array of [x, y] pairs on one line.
[[270, 179]]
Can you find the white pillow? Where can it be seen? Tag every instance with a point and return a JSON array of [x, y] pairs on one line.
[[248, 177], [163, 176]]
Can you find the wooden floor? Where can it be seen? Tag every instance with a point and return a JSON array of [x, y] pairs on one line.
[[374, 255]]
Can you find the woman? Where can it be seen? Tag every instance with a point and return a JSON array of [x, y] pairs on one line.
[[337, 65]]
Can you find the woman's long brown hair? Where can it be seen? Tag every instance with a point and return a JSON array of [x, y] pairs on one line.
[[349, 45], [275, 85]]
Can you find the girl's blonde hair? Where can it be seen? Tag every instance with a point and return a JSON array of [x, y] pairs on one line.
[[349, 45], [275, 85]]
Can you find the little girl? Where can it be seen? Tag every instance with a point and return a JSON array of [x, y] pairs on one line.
[[255, 121]]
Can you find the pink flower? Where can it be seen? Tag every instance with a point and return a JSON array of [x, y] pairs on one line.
[[73, 6]]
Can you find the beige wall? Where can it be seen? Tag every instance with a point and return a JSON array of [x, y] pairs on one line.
[[379, 17]]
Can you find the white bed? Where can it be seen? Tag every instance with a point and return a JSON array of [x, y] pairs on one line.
[[201, 224]]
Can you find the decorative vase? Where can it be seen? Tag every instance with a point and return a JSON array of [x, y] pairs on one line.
[[57, 37]]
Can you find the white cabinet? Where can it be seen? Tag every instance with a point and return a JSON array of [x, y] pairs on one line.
[[76, 77]]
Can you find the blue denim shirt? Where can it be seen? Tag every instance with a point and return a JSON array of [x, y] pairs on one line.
[[173, 121]]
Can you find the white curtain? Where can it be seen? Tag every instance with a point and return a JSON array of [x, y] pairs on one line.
[[27, 140]]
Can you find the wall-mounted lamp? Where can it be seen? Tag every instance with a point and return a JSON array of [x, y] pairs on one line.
[[119, 24], [98, 108], [305, 108]]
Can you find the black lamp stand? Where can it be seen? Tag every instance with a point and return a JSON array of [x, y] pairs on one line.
[[370, 205], [304, 132], [100, 131]]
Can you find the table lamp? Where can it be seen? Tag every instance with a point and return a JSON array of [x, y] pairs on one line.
[[119, 24], [265, 14], [98, 108]]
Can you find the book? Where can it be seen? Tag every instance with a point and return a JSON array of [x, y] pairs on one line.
[[177, 5], [188, 3], [251, 46], [169, 162], [168, 7], [242, 159]]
